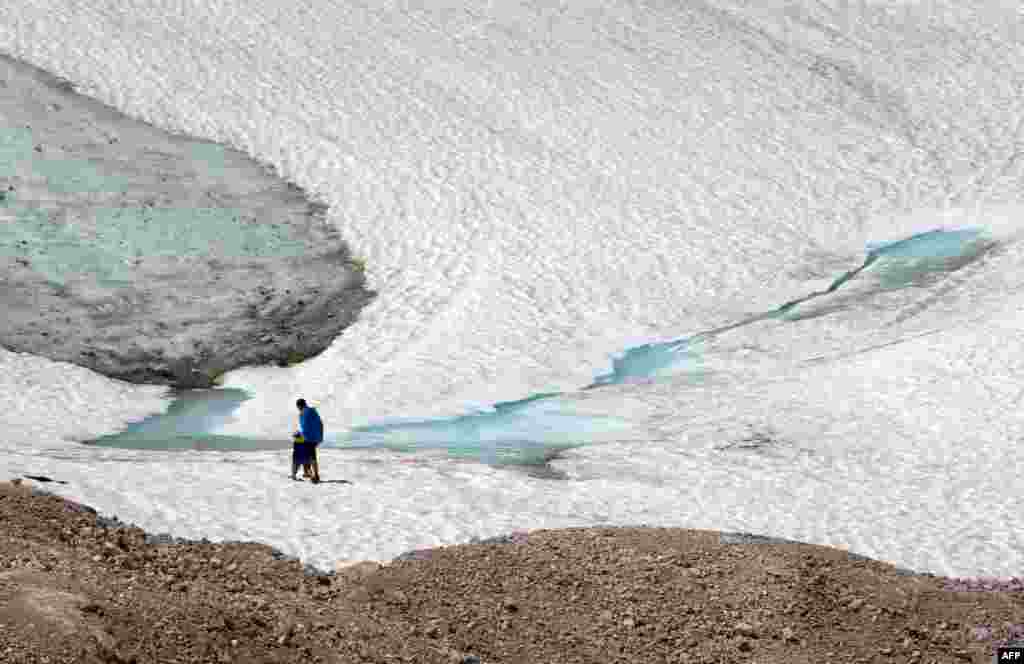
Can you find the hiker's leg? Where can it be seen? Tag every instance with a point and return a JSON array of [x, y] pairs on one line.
[[316, 465]]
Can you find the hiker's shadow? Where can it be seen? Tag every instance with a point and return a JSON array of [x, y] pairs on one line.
[[334, 482]]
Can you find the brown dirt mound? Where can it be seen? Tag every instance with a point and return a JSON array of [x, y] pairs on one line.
[[74, 591]]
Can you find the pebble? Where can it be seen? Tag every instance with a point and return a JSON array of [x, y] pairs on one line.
[[746, 629]]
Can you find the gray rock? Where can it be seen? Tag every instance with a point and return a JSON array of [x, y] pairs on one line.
[[44, 479], [280, 555], [111, 522], [418, 554], [268, 281], [750, 538], [316, 572], [510, 538], [165, 538]]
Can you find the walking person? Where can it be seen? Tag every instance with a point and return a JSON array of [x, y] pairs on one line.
[[311, 430]]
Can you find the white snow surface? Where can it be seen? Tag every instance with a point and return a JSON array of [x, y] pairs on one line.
[[535, 187]]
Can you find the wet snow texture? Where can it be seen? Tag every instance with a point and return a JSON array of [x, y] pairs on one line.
[[538, 186], [152, 257]]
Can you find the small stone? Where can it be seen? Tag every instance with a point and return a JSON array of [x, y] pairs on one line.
[[788, 634], [746, 629], [232, 567], [281, 639], [355, 570], [886, 651], [510, 605], [855, 604], [606, 615], [628, 622], [97, 558], [216, 562]]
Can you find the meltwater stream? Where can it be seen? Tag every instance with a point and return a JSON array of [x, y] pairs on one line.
[[531, 431]]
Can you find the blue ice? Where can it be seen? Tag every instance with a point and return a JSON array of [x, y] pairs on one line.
[[189, 424], [525, 432], [937, 243], [532, 430], [647, 362]]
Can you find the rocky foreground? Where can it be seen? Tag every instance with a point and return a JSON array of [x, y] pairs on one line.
[[75, 587]]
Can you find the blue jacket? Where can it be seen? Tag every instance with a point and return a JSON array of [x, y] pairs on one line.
[[312, 426]]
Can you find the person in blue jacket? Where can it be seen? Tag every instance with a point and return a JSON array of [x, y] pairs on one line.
[[311, 430]]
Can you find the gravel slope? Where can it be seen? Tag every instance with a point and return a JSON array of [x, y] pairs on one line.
[[78, 588]]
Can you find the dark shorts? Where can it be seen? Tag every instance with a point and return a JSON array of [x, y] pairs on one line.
[[302, 453]]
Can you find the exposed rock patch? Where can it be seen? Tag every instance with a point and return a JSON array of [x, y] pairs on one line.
[[151, 257]]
